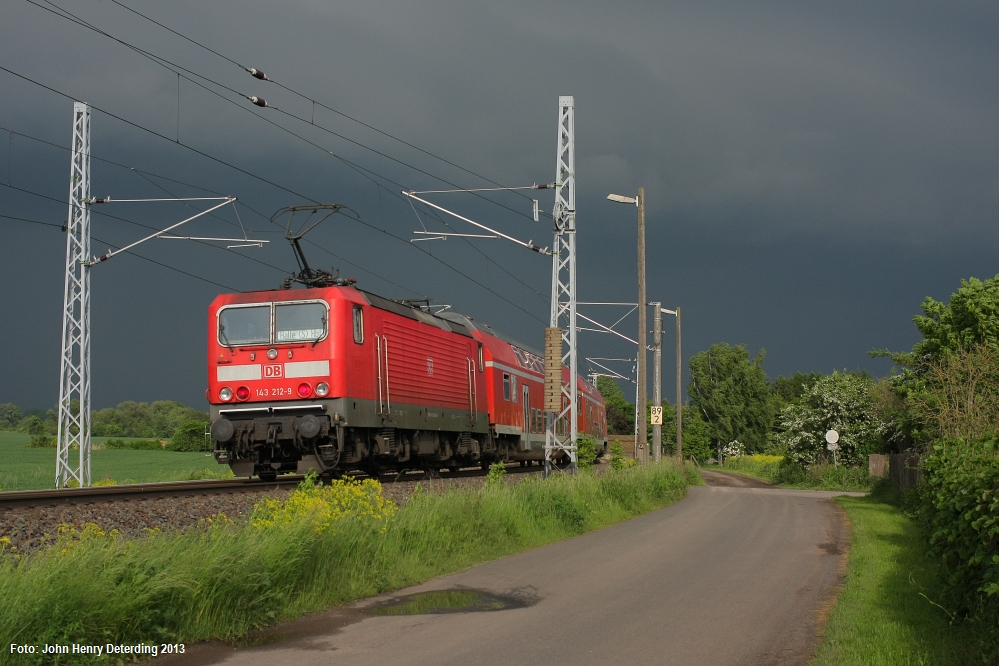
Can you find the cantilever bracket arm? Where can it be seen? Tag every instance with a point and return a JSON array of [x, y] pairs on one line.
[[529, 245], [96, 260]]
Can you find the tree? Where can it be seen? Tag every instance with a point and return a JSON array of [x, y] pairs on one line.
[[138, 419], [788, 390], [968, 321], [840, 402], [732, 394], [10, 416], [33, 426], [696, 441], [620, 412]]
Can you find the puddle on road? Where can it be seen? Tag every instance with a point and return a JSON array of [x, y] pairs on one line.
[[447, 601]]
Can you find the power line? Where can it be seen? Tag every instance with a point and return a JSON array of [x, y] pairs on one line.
[[356, 167], [146, 174], [163, 62], [314, 101], [131, 252], [269, 182]]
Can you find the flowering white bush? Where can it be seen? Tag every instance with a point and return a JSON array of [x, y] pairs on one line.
[[840, 402], [733, 449]]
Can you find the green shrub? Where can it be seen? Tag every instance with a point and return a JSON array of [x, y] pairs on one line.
[[586, 451], [189, 436], [617, 457], [497, 471], [133, 445], [42, 441], [960, 509]]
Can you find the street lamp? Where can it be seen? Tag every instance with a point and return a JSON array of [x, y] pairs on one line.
[[643, 451]]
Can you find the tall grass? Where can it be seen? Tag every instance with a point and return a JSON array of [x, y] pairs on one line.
[[225, 579]]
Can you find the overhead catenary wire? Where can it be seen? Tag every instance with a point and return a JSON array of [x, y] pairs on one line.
[[259, 102], [307, 97], [130, 252], [269, 182], [148, 175], [62, 13]]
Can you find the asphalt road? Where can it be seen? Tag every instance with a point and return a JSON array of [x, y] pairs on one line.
[[730, 575]]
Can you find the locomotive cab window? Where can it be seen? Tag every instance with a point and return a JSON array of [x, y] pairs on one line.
[[506, 386], [482, 365], [358, 324], [245, 325], [299, 322]]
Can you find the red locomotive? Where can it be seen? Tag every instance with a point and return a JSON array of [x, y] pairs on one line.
[[331, 378]]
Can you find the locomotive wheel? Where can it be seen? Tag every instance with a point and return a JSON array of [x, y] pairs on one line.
[[268, 475]]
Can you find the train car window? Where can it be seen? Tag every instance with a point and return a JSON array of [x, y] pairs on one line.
[[513, 387], [506, 386], [297, 322], [482, 365], [358, 324], [245, 325]]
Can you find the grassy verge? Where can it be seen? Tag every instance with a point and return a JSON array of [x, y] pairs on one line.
[[34, 469], [308, 553], [773, 469], [885, 614]]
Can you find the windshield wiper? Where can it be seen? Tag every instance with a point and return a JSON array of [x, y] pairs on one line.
[[315, 342], [225, 337]]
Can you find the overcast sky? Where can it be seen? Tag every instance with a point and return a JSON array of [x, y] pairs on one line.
[[812, 172]]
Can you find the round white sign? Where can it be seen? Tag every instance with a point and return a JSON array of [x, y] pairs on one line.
[[832, 436]]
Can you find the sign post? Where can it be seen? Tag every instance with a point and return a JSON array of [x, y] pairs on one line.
[[832, 443]]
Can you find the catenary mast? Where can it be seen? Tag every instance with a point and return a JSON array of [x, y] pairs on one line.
[[562, 422], [74, 372]]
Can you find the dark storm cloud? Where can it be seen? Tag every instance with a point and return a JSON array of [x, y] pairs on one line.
[[812, 172]]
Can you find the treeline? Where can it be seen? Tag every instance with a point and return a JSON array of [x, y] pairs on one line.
[[163, 419]]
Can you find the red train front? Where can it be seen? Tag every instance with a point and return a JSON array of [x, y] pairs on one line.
[[335, 378]]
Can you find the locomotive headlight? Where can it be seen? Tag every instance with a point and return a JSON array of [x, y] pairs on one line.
[[242, 393], [304, 390], [225, 395], [322, 388], [272, 354]]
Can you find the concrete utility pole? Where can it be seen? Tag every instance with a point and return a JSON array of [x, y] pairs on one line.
[[679, 391], [642, 454], [657, 381]]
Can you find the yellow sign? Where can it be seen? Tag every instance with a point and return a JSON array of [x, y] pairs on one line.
[[657, 416], [553, 370]]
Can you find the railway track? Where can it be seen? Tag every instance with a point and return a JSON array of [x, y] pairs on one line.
[[125, 493]]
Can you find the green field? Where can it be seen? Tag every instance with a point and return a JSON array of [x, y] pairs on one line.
[[22, 468]]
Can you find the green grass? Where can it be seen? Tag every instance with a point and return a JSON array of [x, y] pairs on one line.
[[818, 477], [224, 581], [884, 614], [34, 469]]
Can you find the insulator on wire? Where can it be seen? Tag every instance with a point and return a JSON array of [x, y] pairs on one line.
[[256, 73], [259, 101]]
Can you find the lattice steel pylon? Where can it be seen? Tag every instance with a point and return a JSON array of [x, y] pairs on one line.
[[74, 372], [562, 427]]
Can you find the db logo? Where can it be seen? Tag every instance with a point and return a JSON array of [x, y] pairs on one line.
[[272, 371]]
